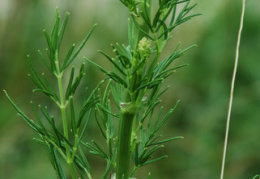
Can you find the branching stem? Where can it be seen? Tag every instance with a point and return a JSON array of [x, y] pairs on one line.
[[128, 112], [64, 118]]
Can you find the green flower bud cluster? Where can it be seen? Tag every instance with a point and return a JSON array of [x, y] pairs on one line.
[[144, 48]]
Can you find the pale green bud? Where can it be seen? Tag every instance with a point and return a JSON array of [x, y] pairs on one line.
[[144, 48]]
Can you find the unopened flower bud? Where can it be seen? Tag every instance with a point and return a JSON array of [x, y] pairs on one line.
[[144, 47]]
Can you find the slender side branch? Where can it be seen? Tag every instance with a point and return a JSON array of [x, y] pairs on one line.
[[232, 89], [64, 117]]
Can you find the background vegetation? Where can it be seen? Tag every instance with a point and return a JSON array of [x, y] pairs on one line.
[[203, 87]]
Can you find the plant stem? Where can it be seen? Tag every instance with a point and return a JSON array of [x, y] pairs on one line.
[[124, 143], [64, 117], [134, 170], [144, 27], [129, 110], [232, 89]]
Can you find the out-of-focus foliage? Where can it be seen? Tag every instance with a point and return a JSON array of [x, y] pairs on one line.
[[203, 87]]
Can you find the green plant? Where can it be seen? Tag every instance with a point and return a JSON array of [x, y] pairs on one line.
[[63, 143], [137, 81], [135, 85]]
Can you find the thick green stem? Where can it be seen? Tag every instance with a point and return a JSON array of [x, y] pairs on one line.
[[128, 113], [129, 108]]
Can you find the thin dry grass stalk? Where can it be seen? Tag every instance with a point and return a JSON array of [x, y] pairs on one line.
[[232, 88]]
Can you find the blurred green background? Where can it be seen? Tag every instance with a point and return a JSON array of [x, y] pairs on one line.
[[203, 87]]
